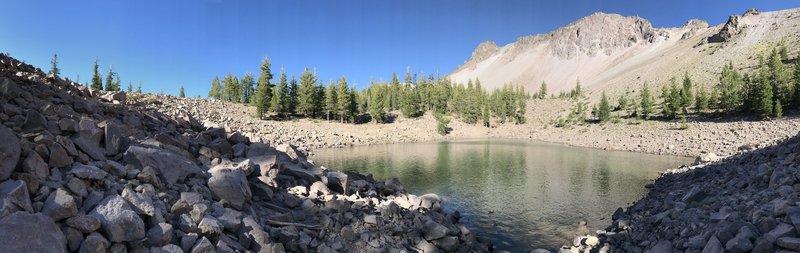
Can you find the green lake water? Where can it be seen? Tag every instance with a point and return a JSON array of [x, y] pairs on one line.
[[520, 194]]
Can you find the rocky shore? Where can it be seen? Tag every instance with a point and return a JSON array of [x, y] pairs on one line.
[[722, 137], [89, 171], [747, 202]]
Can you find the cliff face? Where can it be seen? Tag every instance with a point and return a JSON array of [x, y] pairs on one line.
[[618, 53]]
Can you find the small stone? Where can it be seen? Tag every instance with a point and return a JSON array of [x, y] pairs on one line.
[[141, 204], [433, 231], [210, 226], [87, 172], [203, 246], [159, 235], [94, 243]]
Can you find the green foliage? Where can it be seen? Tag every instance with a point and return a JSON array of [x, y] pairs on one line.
[[181, 93], [139, 88], [97, 82], [410, 101], [646, 101], [130, 87], [393, 101], [377, 102], [604, 109], [54, 66], [292, 99], [622, 103], [215, 91], [684, 123], [441, 124], [247, 88], [345, 102], [730, 89], [686, 92], [701, 100], [673, 98], [280, 96], [331, 104], [307, 93], [542, 94], [264, 79]]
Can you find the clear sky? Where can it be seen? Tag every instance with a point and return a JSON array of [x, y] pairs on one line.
[[165, 44]]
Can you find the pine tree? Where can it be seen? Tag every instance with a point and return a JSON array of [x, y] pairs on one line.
[[275, 104], [331, 103], [236, 90], [646, 101], [376, 103], [247, 88], [215, 89], [228, 89], [764, 105], [542, 91], [780, 77], [686, 93], [110, 79], [115, 84], [730, 89], [130, 87], [319, 99], [280, 101], [485, 115], [352, 110], [604, 109], [262, 96], [181, 94], [139, 88], [701, 100], [622, 103], [292, 99], [54, 66], [307, 93], [409, 100], [394, 93], [97, 82], [343, 100]]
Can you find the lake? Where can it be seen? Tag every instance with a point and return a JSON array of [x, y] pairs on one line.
[[521, 194]]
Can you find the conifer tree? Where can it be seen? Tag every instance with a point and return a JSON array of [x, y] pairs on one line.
[[110, 79], [686, 93], [352, 110], [376, 103], [331, 103], [604, 109], [701, 100], [542, 91], [409, 100], [139, 88], [181, 94], [130, 87], [344, 100], [215, 89], [247, 88], [730, 86], [646, 101], [307, 93], [97, 82], [292, 98], [394, 93], [54, 66], [764, 103], [275, 104], [280, 101]]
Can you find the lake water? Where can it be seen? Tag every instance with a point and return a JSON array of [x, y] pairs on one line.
[[520, 194]]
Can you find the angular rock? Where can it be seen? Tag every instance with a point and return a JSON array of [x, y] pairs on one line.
[[60, 205], [792, 243], [210, 226], [118, 220], [251, 229], [9, 152], [140, 204], [34, 122], [91, 147], [84, 223], [35, 165], [432, 231], [14, 197], [203, 246], [230, 185], [59, 157], [159, 235], [87, 171], [169, 248], [24, 232], [114, 139], [94, 243], [171, 166]]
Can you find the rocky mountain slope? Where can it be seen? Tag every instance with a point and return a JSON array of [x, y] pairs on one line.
[[87, 171], [616, 53]]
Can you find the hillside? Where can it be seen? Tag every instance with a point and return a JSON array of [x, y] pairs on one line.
[[617, 54]]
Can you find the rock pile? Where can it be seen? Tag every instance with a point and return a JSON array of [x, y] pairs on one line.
[[82, 170], [743, 203]]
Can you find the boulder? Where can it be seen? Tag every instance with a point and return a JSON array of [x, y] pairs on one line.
[[35, 165], [14, 197], [173, 167], [87, 171], [94, 243], [87, 143], [25, 232], [114, 139], [118, 220], [792, 243], [34, 122], [60, 205], [229, 185], [59, 157], [159, 235], [9, 152], [706, 158], [432, 231], [141, 204]]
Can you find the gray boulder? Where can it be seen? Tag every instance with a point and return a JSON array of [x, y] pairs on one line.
[[14, 197], [230, 185], [9, 152], [118, 220], [25, 232], [173, 167]]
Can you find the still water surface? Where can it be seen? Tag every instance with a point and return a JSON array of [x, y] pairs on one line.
[[520, 194]]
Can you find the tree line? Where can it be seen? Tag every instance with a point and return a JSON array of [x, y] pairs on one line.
[[772, 87], [309, 97]]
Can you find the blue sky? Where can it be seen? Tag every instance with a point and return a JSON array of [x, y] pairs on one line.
[[165, 44]]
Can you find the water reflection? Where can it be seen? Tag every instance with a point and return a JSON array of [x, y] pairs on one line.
[[521, 194]]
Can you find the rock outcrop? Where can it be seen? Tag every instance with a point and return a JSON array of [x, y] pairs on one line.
[[731, 28], [90, 171]]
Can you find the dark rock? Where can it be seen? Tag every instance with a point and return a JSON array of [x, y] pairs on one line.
[[118, 220], [94, 243], [9, 152], [173, 167], [792, 243], [60, 205], [24, 232], [59, 157], [35, 165], [203, 246], [140, 204], [14, 197], [91, 147], [34, 122], [87, 172], [84, 223], [433, 231], [159, 235]]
